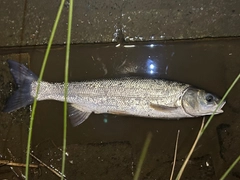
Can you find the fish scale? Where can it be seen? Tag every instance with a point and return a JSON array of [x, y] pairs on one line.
[[127, 96], [129, 89]]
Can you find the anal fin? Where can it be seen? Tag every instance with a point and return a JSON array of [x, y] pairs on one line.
[[77, 115]]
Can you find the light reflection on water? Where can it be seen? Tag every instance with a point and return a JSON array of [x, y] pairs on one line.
[[151, 66], [154, 62]]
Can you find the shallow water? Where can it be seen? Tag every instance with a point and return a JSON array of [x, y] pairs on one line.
[[209, 64]]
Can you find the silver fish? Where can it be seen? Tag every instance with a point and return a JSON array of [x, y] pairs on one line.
[[153, 98]]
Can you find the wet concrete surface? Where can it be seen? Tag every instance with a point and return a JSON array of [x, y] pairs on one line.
[[209, 64], [30, 22]]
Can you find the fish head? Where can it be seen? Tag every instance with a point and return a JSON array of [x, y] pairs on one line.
[[197, 102]]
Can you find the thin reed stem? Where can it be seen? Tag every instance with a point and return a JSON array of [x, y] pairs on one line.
[[230, 168], [38, 87], [66, 86], [143, 156]]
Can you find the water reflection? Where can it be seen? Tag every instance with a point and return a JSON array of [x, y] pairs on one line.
[[128, 59], [105, 118], [151, 45], [151, 66], [129, 46]]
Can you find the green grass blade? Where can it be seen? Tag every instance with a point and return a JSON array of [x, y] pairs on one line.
[[38, 87], [209, 120], [66, 86], [230, 168], [142, 156]]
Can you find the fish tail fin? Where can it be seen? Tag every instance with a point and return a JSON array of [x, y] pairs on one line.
[[23, 78]]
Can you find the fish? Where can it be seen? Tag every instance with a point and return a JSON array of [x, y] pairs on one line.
[[134, 96]]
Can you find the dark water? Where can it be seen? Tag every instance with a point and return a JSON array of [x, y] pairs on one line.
[[108, 146]]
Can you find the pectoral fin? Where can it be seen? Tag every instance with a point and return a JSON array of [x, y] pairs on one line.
[[162, 108], [77, 115]]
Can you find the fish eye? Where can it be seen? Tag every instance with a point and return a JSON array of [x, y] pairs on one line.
[[209, 98]]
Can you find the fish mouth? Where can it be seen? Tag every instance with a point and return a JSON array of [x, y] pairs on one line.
[[219, 110]]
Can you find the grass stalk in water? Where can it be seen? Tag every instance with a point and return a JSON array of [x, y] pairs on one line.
[[206, 125], [191, 151], [175, 155], [38, 87], [66, 86], [142, 156], [230, 168]]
